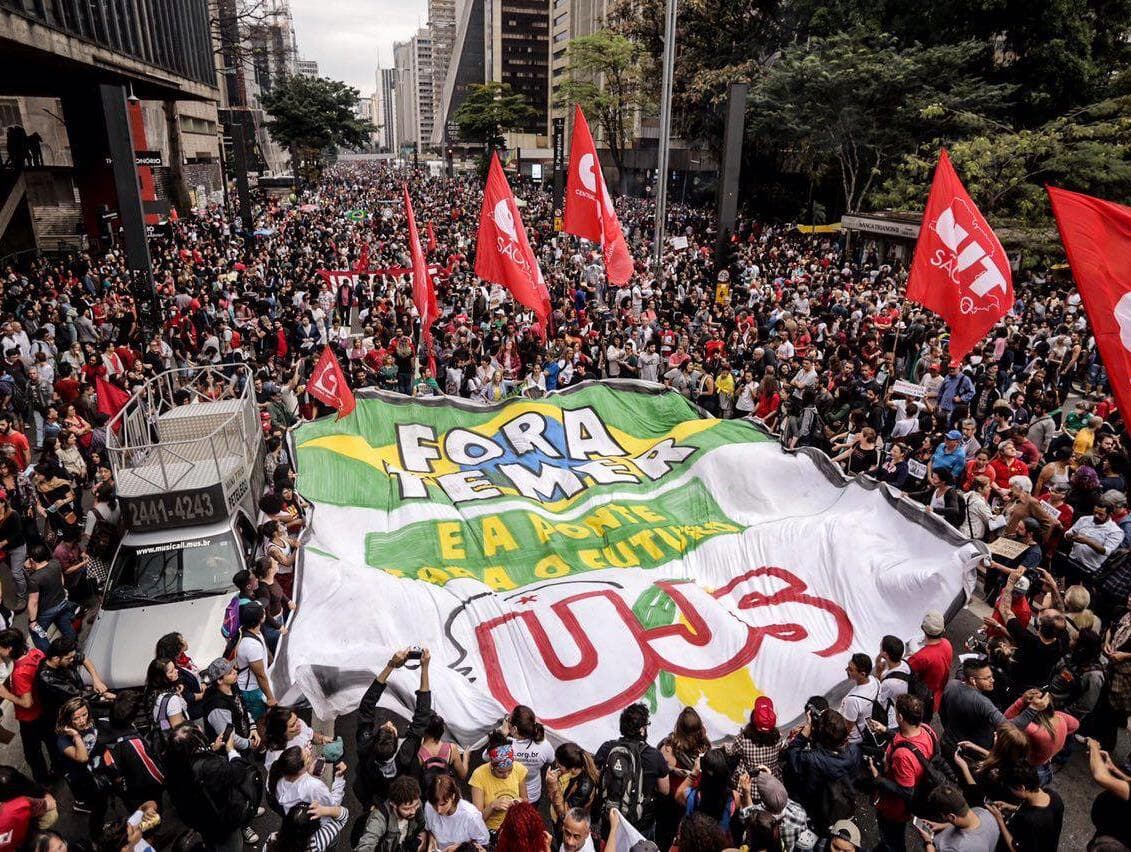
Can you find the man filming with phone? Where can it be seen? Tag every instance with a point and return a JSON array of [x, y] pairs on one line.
[[379, 756]]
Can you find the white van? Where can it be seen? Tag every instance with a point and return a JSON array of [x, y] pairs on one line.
[[189, 472]]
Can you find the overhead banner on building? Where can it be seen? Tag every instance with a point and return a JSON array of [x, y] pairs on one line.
[[603, 546]]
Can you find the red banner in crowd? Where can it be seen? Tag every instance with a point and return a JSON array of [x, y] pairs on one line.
[[960, 270], [1097, 238], [502, 252], [109, 398], [589, 211], [328, 384], [431, 238], [423, 293]]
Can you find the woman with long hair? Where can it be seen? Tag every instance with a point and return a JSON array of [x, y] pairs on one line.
[[530, 748], [449, 818], [711, 793], [284, 728], [437, 756], [522, 830], [76, 735], [165, 706], [682, 749], [572, 781], [173, 647], [283, 548], [309, 827], [1047, 733], [102, 530], [982, 771], [291, 780]]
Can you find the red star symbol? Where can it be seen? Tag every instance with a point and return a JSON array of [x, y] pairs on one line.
[[525, 599]]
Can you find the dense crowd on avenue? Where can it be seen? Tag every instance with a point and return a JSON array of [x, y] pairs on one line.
[[1019, 446]]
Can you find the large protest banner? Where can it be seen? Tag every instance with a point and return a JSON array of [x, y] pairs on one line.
[[599, 547]]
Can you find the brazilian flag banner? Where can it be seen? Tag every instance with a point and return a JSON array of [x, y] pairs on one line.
[[603, 546]]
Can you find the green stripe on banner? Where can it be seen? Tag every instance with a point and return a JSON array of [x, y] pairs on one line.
[[496, 548]]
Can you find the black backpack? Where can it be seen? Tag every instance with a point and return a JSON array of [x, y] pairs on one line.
[[622, 780], [871, 743], [917, 687], [936, 773]]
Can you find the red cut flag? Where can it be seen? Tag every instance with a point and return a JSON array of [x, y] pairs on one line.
[[589, 211], [960, 270], [423, 293], [328, 384], [431, 239], [362, 264], [502, 253], [1097, 239], [110, 399]]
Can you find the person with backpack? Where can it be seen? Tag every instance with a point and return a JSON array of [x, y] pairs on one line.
[[864, 702], [252, 659], [633, 773], [164, 705], [216, 791], [224, 706], [397, 824], [246, 584], [438, 757], [904, 768], [897, 678], [137, 771], [941, 498], [102, 530], [821, 765]]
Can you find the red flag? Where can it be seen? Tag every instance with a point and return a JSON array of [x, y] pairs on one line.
[[1097, 238], [423, 293], [328, 384], [431, 239], [110, 399], [502, 253], [362, 264], [589, 210], [960, 270]]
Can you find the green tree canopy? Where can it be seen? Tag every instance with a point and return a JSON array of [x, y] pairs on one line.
[[607, 73], [854, 103], [489, 110], [311, 116]]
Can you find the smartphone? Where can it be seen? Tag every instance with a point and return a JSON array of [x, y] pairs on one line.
[[922, 825], [319, 767], [228, 731]]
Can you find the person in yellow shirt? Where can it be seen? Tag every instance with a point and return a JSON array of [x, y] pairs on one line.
[[1085, 437], [498, 784], [724, 387]]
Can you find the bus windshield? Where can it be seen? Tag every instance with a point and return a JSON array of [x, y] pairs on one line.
[[162, 573]]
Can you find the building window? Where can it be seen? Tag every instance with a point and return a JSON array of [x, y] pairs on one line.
[[10, 112]]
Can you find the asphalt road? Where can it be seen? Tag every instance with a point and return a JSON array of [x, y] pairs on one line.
[[1073, 781]]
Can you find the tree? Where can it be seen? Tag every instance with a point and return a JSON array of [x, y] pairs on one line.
[[606, 78], [855, 102], [312, 117], [489, 110]]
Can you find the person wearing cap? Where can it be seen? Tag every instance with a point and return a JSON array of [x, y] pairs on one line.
[[759, 743], [932, 662], [843, 836], [949, 455], [223, 705], [789, 816], [955, 389]]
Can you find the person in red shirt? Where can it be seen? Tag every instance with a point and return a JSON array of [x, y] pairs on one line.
[[35, 732], [9, 437], [1005, 466], [897, 778], [1019, 606], [933, 661], [67, 386], [18, 814]]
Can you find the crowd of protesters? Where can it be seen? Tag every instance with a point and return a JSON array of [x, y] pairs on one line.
[[1019, 446]]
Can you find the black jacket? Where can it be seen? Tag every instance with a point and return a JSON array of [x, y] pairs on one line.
[[215, 795], [372, 784]]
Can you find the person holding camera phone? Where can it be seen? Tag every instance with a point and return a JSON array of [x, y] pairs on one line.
[[381, 755], [901, 770]]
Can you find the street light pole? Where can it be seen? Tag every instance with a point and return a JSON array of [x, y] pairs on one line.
[[665, 131]]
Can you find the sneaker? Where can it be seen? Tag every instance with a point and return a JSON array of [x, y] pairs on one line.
[[80, 807], [249, 836]]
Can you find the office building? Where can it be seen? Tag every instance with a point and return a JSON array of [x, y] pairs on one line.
[[384, 109], [414, 102]]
